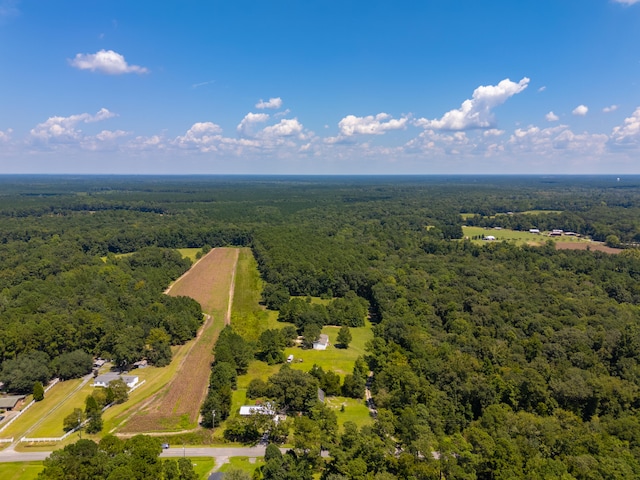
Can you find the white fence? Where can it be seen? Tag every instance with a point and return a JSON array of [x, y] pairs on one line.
[[59, 439], [17, 415], [6, 440]]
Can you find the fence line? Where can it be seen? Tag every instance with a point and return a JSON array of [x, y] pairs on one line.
[[17, 415], [59, 439], [6, 440]]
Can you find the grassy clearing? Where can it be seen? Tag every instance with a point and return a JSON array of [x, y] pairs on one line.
[[20, 470], [189, 253], [248, 317], [355, 411], [337, 359], [246, 464], [520, 238]]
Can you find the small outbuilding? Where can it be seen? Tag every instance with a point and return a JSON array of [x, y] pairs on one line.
[[9, 403], [104, 379], [247, 410], [321, 343]]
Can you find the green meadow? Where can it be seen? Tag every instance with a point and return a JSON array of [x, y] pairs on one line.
[[518, 237]]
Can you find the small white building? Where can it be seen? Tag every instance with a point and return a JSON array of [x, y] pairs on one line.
[[321, 343], [104, 379], [489, 237], [247, 410], [534, 230]]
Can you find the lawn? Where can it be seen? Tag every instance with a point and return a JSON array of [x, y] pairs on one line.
[[38, 411], [30, 470], [20, 470], [203, 466], [246, 464], [355, 410]]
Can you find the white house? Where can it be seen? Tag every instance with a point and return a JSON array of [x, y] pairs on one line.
[[246, 410], [104, 379], [321, 343]]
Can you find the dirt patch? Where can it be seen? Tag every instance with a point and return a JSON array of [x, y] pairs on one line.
[[598, 247], [177, 405]]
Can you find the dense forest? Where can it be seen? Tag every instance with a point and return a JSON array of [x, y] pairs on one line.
[[489, 361]]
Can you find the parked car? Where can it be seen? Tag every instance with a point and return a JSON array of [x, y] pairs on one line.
[[165, 446]]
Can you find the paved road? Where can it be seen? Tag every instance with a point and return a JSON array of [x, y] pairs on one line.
[[258, 451]]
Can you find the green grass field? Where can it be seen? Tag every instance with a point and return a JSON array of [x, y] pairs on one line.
[[20, 470], [246, 464], [203, 466], [30, 470], [520, 238], [248, 317], [355, 410], [189, 253]]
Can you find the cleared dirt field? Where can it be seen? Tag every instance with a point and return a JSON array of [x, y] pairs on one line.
[[598, 247], [176, 407]]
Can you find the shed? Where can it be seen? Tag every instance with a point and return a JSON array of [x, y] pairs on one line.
[[10, 402], [321, 343]]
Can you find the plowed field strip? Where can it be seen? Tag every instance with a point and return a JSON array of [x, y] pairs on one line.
[[210, 282]]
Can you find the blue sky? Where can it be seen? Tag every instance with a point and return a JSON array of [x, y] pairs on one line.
[[320, 87]]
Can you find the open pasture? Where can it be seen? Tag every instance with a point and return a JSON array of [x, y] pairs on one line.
[[519, 237], [20, 470]]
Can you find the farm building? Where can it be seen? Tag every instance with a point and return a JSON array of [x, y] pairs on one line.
[[489, 237], [103, 380], [246, 410], [321, 343], [534, 230], [98, 362], [10, 402]]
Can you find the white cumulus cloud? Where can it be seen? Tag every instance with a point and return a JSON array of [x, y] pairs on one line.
[[271, 103], [610, 108], [245, 127], [580, 110], [286, 128], [5, 136], [370, 125], [629, 133], [64, 128], [476, 112], [551, 117], [201, 135], [105, 61]]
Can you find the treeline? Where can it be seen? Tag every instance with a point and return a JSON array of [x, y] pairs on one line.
[[58, 301]]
